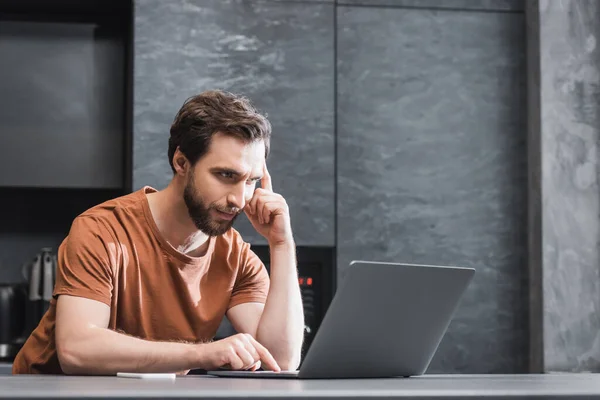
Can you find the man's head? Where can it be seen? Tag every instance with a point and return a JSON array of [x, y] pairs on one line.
[[218, 145]]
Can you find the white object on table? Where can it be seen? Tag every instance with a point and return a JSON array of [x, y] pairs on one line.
[[145, 375]]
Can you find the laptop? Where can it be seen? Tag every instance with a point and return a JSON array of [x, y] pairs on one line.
[[385, 320]]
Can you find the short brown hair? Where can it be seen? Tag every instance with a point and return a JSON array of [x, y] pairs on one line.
[[214, 111]]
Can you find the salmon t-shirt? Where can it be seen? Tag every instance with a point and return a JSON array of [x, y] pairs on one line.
[[115, 254]]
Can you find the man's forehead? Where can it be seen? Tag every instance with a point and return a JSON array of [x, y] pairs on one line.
[[222, 145], [236, 155]]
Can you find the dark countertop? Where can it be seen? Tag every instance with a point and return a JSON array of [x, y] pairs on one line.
[[550, 386]]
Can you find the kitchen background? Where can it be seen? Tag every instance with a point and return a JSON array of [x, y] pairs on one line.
[[425, 131]]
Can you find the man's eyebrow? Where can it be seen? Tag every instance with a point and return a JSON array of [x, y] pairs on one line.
[[227, 170], [234, 172]]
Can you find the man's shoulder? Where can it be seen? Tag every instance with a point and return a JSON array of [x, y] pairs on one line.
[[108, 207], [111, 213]]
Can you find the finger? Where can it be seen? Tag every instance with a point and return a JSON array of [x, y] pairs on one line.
[[256, 366], [252, 217], [257, 214], [234, 361], [265, 356], [269, 208], [251, 207], [247, 339], [265, 181], [257, 202], [255, 198], [245, 357]]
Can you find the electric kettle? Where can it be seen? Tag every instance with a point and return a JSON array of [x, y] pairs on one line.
[[40, 276]]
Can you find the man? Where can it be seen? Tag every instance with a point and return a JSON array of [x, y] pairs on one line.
[[144, 280]]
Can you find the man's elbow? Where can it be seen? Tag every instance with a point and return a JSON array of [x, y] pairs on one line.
[[288, 366], [70, 358], [288, 363]]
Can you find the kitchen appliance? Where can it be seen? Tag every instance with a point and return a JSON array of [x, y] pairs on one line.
[[12, 318], [317, 280], [22, 305], [40, 275]]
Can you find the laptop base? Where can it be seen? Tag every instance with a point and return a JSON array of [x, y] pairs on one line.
[[255, 374]]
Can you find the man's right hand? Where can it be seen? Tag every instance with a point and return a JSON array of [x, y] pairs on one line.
[[237, 352]]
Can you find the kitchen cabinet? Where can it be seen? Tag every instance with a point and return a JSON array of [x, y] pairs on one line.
[[63, 94], [432, 164]]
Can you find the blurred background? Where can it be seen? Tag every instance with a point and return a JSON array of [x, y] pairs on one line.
[[455, 132]]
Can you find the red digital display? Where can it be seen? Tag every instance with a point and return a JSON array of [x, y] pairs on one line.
[[305, 280]]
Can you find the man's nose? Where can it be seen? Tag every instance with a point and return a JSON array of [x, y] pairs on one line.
[[237, 198]]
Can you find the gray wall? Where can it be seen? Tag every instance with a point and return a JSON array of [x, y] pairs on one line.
[[564, 132], [432, 162], [456, 5], [280, 55]]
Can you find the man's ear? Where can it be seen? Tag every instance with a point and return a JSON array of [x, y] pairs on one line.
[[180, 163]]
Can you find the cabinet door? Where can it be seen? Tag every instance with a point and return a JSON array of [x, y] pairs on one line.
[[432, 163], [62, 107], [280, 55]]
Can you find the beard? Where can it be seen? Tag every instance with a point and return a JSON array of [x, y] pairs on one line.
[[199, 212]]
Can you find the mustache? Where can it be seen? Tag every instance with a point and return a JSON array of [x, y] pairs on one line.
[[228, 210]]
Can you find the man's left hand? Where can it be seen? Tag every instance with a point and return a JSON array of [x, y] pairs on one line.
[[269, 213]]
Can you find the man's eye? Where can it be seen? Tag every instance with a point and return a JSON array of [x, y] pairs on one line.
[[227, 175], [251, 182]]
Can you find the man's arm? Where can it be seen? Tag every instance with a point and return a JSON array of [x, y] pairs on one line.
[[279, 326], [86, 346], [279, 323]]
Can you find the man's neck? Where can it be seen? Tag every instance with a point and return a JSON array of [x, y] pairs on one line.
[[174, 223]]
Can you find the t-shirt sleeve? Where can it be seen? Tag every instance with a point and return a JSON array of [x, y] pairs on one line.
[[83, 267], [252, 282]]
